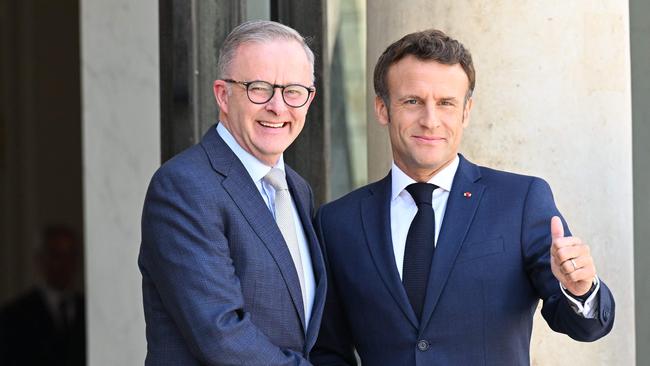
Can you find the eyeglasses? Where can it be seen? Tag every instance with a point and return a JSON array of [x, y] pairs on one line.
[[260, 92]]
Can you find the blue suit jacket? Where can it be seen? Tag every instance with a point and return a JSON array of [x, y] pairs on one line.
[[218, 282], [490, 268]]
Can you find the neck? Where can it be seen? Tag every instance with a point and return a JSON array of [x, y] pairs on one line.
[[422, 175]]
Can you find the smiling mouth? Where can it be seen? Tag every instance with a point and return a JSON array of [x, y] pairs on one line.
[[272, 124], [429, 138]]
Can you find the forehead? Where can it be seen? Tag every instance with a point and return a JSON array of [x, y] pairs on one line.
[[272, 61], [411, 74]]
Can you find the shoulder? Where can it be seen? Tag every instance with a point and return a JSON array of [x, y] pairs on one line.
[[504, 186], [508, 181], [184, 185], [207, 157], [190, 171], [185, 164], [355, 198]]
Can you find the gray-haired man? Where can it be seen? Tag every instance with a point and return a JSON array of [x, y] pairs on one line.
[[232, 272]]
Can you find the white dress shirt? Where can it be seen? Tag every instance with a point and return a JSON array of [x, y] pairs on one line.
[[403, 210], [403, 207], [257, 170]]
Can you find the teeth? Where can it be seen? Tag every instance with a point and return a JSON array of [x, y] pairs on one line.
[[272, 125]]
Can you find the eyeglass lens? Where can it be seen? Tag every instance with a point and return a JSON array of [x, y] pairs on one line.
[[293, 94]]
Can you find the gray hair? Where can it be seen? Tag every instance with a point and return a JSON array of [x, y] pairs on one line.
[[259, 31]]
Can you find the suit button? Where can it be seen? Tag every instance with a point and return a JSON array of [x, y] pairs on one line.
[[605, 315], [423, 345]]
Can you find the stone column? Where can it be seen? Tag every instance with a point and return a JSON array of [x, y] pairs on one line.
[[552, 100], [640, 44], [121, 150]]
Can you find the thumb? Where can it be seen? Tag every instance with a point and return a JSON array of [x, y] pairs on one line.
[[557, 230]]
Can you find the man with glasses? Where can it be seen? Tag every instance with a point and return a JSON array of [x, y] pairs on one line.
[[232, 272]]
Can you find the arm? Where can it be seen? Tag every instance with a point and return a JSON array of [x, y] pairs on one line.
[[185, 254], [536, 241], [334, 345]]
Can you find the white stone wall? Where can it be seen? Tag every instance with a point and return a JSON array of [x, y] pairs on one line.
[[552, 100], [121, 150]]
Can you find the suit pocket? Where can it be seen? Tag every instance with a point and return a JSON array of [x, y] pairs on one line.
[[480, 249]]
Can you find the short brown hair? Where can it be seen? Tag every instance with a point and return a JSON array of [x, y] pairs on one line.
[[427, 45]]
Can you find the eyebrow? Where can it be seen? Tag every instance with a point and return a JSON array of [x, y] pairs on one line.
[[447, 99], [409, 96], [413, 96]]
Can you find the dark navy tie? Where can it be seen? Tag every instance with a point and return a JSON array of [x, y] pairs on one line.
[[419, 246]]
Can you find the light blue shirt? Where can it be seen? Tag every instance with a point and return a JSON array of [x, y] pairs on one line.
[[257, 170]]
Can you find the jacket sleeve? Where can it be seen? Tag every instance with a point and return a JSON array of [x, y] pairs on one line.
[[190, 285], [334, 345], [539, 208]]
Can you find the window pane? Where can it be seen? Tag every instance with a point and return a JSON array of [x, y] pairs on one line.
[[346, 31]]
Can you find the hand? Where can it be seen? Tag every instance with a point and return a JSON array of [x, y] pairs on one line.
[[571, 260]]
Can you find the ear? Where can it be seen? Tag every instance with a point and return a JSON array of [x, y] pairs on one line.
[[466, 111], [220, 90], [381, 111], [311, 99]]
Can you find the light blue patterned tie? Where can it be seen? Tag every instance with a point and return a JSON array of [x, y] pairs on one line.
[[284, 218]]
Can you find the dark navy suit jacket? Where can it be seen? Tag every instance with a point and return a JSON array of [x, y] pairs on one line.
[[490, 268], [218, 282]]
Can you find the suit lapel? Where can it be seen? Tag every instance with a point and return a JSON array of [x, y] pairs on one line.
[[458, 217], [246, 196], [375, 214], [302, 198]]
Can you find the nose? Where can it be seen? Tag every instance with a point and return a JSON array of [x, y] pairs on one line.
[[430, 118], [276, 105]]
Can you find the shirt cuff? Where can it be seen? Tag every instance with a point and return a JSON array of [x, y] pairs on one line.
[[588, 309]]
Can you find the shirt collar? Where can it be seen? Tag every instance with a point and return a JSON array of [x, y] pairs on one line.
[[255, 168], [443, 179]]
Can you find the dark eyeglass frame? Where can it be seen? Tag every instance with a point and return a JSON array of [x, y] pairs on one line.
[[246, 84]]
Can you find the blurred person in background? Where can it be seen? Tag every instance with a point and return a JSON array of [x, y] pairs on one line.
[[46, 325]]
